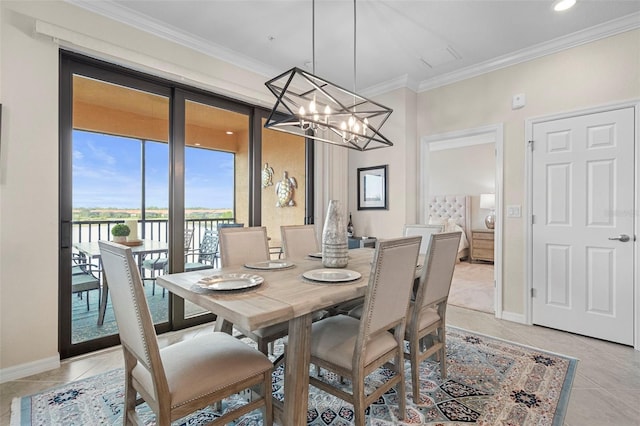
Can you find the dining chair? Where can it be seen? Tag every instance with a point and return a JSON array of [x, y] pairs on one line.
[[207, 253], [239, 246], [355, 348], [299, 240], [160, 263], [186, 376], [424, 231], [426, 316], [85, 276]]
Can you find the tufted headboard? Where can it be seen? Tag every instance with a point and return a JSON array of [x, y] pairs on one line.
[[457, 207]]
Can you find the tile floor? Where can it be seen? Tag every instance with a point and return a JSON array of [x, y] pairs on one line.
[[606, 389], [472, 286]]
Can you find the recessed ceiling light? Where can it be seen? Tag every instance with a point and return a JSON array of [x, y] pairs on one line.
[[196, 144], [229, 132], [561, 5]]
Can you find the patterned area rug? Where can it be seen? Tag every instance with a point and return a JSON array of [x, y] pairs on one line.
[[490, 381]]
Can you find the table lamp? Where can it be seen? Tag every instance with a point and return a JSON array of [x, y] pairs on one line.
[[488, 201]]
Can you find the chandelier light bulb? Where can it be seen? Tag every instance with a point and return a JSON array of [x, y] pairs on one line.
[[312, 106], [301, 111]]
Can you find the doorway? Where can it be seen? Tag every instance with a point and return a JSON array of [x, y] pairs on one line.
[[488, 142], [582, 231]]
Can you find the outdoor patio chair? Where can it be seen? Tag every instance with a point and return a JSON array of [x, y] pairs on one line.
[[161, 263], [207, 253], [355, 348], [186, 376], [85, 276]]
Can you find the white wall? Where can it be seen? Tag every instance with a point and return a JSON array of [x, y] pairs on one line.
[[469, 170], [29, 154], [401, 174], [597, 73]]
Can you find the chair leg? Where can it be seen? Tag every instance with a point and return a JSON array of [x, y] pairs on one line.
[[357, 384], [263, 346], [87, 300], [402, 397], [443, 353], [268, 400], [414, 349]]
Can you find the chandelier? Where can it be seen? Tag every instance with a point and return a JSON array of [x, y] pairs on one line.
[[310, 106]]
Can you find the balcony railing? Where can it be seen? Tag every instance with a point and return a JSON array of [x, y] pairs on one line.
[[152, 229]]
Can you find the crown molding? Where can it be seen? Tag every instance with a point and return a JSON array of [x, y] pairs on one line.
[[134, 19], [402, 82], [597, 32]]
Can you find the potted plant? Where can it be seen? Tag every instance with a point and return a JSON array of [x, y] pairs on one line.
[[120, 232]]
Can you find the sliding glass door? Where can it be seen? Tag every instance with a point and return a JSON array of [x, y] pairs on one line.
[[217, 179], [171, 163], [114, 166]]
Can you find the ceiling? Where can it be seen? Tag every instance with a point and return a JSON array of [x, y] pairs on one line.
[[417, 43]]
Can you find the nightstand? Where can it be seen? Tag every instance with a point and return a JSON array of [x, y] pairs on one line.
[[361, 242], [482, 245]]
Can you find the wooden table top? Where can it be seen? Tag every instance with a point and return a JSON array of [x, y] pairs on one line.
[[283, 295]]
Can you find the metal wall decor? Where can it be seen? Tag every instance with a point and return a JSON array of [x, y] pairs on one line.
[[284, 191], [267, 175]]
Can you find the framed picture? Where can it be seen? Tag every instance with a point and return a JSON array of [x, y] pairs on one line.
[[372, 188]]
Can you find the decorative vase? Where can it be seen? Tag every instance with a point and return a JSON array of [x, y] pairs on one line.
[[335, 247]]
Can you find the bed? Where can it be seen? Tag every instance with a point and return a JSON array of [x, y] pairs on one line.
[[454, 212]]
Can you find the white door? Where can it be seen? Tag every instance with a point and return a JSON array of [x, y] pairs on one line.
[[583, 207]]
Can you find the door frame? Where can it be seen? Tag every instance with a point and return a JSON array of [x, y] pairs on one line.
[[456, 138], [528, 203]]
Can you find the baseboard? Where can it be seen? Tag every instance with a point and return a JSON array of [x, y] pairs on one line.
[[513, 317], [34, 367]]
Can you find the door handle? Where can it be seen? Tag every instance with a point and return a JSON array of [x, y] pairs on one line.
[[622, 237]]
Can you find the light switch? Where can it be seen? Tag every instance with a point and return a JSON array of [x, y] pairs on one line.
[[513, 211]]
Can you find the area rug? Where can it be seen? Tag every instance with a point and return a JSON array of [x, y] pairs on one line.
[[490, 381]]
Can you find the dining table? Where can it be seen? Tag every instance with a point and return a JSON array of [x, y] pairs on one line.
[[284, 294], [91, 250]]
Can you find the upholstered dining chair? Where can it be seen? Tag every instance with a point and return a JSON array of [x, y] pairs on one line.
[[244, 245], [239, 246], [354, 348], [426, 316], [186, 376], [424, 231], [299, 240]]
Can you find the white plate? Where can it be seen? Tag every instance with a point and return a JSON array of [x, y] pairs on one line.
[[316, 255], [332, 275], [230, 281], [270, 264]]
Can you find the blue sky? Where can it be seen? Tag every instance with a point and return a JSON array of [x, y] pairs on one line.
[[107, 173]]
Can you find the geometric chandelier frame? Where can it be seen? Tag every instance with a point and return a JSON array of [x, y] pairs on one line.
[[310, 106]]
